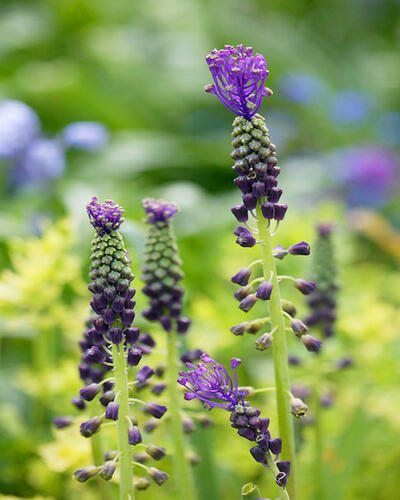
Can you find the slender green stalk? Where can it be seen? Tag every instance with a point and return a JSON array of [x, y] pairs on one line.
[[126, 487], [318, 468], [281, 366], [183, 473]]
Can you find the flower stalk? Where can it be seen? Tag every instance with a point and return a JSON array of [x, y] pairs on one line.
[[281, 367], [181, 463], [127, 491]]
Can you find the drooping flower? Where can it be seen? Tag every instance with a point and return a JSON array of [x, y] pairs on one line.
[[210, 383], [239, 79]]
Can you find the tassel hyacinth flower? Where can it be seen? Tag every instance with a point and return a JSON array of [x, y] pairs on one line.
[[239, 79], [210, 383], [109, 347], [162, 274]]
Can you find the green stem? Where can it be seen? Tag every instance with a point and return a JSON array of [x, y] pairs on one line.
[[183, 473], [318, 469], [281, 366], [126, 487]]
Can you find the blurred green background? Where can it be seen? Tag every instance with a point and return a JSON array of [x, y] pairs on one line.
[[138, 68]]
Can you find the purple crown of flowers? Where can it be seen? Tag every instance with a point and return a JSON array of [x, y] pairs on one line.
[[211, 383], [104, 217], [239, 79], [158, 210]]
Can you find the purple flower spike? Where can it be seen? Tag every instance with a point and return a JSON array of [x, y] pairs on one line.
[[210, 383], [158, 210], [104, 217], [239, 79]]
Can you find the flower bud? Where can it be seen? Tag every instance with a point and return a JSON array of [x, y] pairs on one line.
[[158, 476], [239, 329], [108, 469], [158, 389], [298, 327], [298, 407], [204, 420], [85, 473], [134, 356], [150, 425], [110, 455], [112, 411], [275, 445], [116, 335], [264, 342], [258, 454], [132, 335], [268, 210], [182, 325], [89, 392], [282, 476], [248, 302], [289, 308], [188, 425], [141, 483], [134, 436], [156, 452], [61, 422], [141, 457], [243, 292], [280, 211], [107, 397], [240, 212], [244, 237], [94, 355], [302, 248], [154, 409], [264, 290], [242, 276], [144, 373], [78, 402], [90, 427], [305, 287], [255, 326], [280, 252], [311, 343]]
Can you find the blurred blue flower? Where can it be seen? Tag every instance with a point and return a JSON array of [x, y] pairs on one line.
[[387, 129], [19, 125], [34, 158], [44, 159], [350, 106], [88, 136], [301, 87], [369, 175]]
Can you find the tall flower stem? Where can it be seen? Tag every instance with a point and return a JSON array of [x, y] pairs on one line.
[[127, 491], [181, 464], [319, 491], [281, 366]]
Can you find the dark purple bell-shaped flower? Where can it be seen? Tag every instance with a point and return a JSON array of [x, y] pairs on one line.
[[302, 248]]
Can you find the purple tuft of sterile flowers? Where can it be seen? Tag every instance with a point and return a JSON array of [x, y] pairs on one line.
[[158, 210], [210, 383], [239, 79], [105, 217]]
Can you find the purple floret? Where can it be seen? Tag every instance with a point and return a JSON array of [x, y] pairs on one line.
[[158, 210], [239, 78], [105, 217], [211, 383]]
